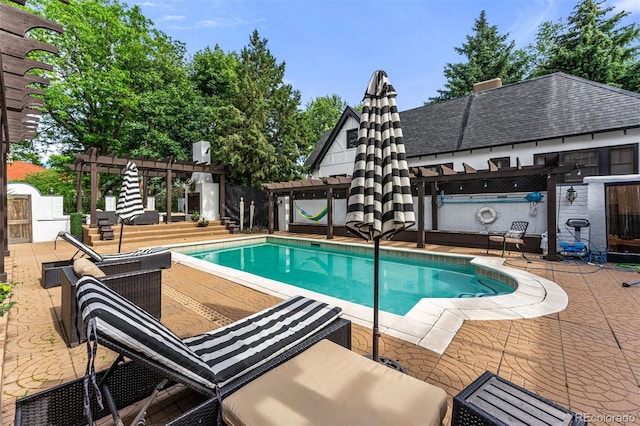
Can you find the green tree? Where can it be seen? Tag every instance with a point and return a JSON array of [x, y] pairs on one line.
[[321, 114], [118, 84], [259, 133], [593, 45], [489, 55], [215, 73]]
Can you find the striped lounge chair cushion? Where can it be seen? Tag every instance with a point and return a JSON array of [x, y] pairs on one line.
[[109, 257], [133, 254], [233, 350], [122, 321], [213, 358]]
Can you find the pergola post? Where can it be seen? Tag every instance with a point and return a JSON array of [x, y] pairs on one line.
[[4, 240], [552, 224], [421, 209], [291, 207], [78, 191], [434, 206], [94, 195], [168, 200], [330, 213], [271, 213]]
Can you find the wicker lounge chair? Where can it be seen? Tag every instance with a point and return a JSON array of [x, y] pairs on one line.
[[149, 258], [142, 287], [206, 363], [270, 368]]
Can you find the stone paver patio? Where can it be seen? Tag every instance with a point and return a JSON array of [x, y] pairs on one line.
[[586, 358]]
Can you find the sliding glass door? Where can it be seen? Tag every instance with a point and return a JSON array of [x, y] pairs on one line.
[[623, 218]]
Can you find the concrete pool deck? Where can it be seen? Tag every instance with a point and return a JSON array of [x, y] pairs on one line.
[[585, 357], [432, 323]]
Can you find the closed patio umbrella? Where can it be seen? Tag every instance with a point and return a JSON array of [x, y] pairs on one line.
[[129, 202], [380, 203]]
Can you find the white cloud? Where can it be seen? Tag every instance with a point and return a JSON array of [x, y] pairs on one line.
[[529, 19], [626, 5], [168, 18]]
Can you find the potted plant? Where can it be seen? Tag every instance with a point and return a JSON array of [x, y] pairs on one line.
[[195, 216], [202, 222]]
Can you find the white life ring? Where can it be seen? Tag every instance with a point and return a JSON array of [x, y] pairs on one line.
[[486, 215]]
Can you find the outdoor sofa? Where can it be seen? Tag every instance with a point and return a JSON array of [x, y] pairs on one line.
[[148, 258], [225, 362]]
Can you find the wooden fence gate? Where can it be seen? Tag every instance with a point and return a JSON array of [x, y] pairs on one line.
[[19, 219]]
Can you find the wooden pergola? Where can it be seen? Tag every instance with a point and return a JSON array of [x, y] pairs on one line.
[[423, 181], [93, 163], [19, 110]]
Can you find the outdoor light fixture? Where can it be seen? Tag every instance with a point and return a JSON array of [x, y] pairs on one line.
[[572, 194]]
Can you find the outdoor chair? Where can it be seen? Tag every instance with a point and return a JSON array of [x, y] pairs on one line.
[[149, 258], [515, 236], [142, 287], [287, 339], [212, 364]]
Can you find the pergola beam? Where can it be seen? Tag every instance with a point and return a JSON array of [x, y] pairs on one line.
[[95, 164]]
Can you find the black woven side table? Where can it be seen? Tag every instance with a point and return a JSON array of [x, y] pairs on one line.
[[492, 400]]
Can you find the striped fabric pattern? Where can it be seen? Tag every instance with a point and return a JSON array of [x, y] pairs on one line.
[[109, 257], [213, 358], [380, 201], [129, 202], [132, 254], [246, 344], [127, 324]]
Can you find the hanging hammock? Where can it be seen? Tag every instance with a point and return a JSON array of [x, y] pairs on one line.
[[316, 217]]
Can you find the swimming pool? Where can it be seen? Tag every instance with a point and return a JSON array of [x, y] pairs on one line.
[[432, 323], [347, 274]]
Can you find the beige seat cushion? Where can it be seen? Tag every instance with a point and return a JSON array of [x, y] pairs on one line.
[[83, 267], [330, 385], [500, 239]]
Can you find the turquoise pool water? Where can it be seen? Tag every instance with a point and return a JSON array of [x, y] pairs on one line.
[[348, 275]]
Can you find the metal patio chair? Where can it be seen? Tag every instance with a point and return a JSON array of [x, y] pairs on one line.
[[515, 236]]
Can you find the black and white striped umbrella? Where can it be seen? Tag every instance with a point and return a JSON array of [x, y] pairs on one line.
[[129, 202], [380, 203]]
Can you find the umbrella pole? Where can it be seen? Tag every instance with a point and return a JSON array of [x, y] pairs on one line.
[[376, 276], [120, 240]]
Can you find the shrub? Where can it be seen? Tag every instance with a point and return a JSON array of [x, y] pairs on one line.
[[5, 293], [76, 224]]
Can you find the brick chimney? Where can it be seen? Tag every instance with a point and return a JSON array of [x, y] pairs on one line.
[[494, 83]]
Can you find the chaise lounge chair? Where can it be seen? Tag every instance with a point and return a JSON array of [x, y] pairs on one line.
[[226, 362], [142, 287], [149, 258]]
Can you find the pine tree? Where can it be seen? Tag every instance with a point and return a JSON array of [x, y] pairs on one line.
[[259, 132], [595, 46], [489, 56]]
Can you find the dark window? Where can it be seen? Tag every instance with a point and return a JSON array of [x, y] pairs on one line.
[[621, 161], [587, 160], [502, 162], [352, 138]]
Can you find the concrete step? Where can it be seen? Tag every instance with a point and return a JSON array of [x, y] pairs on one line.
[[156, 234]]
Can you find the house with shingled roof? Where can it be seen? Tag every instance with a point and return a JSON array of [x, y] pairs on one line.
[[557, 117]]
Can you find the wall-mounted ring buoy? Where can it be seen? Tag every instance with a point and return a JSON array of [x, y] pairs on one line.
[[486, 215]]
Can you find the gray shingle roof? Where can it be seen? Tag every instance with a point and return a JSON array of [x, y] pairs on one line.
[[553, 106]]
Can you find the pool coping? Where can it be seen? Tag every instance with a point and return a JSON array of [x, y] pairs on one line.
[[431, 323]]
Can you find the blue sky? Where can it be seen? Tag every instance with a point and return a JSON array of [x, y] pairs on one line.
[[333, 46]]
